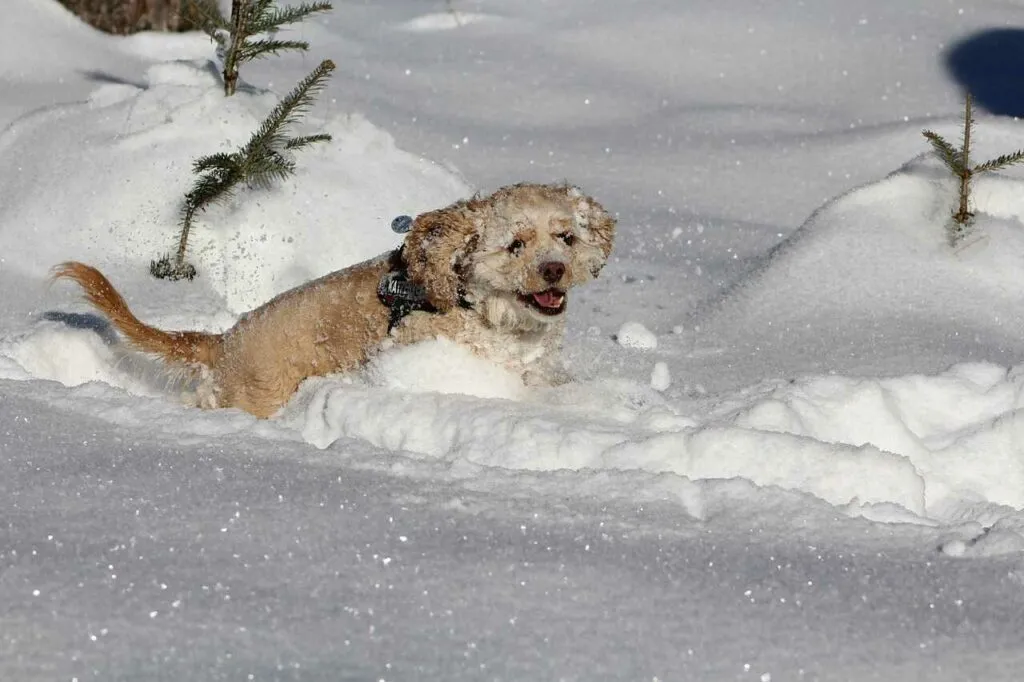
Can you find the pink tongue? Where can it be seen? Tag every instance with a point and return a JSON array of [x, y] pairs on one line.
[[547, 299]]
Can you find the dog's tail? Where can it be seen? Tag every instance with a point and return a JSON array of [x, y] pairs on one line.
[[184, 347]]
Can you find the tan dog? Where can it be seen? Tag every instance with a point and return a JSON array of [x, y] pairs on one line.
[[492, 273]]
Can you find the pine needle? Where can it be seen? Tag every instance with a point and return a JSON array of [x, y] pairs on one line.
[[306, 140], [945, 151], [220, 161], [290, 109], [256, 49], [289, 15], [1000, 162]]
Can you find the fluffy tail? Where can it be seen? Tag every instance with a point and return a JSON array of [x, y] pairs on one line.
[[184, 347]]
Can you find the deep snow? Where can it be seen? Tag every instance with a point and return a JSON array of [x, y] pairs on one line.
[[792, 450]]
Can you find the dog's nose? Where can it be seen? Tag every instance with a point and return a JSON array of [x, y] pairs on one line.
[[552, 271]]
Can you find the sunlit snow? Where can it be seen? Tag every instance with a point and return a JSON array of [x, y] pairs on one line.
[[792, 447]]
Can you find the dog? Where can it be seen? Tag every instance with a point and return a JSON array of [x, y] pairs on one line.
[[491, 273]]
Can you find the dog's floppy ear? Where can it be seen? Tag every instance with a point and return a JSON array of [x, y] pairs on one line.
[[596, 224], [436, 248]]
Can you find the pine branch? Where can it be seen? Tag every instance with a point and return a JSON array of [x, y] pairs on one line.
[[289, 15], [1000, 162], [213, 187], [306, 140], [220, 161], [259, 9], [250, 18], [265, 47], [265, 171], [290, 109], [260, 163], [944, 150]]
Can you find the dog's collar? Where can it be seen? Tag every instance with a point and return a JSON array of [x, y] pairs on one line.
[[400, 295]]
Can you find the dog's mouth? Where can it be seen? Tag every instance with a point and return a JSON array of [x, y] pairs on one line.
[[548, 302]]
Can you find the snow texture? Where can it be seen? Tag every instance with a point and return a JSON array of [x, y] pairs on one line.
[[818, 474], [635, 335]]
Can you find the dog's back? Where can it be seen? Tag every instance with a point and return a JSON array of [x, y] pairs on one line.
[[328, 325]]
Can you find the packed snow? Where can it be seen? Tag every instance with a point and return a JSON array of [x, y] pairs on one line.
[[793, 445], [635, 335]]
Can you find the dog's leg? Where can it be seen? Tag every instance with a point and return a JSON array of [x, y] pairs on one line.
[[255, 390], [206, 392]]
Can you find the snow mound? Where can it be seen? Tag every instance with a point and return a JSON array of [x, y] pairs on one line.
[[51, 24], [961, 429], [123, 161], [873, 268], [75, 349], [576, 428], [929, 449]]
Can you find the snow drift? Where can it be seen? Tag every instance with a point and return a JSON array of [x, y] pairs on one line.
[[123, 161]]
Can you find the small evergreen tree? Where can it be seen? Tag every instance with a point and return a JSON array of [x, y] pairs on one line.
[[235, 39], [264, 159], [958, 161]]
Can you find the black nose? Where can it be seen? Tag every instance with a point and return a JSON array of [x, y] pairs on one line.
[[552, 271]]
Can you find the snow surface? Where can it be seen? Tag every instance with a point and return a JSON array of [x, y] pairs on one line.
[[635, 335], [793, 448]]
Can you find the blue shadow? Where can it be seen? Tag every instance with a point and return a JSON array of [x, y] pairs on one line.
[[990, 65]]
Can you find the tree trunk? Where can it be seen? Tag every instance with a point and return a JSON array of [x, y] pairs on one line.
[[239, 10], [130, 16]]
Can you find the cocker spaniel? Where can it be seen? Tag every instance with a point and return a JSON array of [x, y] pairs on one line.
[[491, 273]]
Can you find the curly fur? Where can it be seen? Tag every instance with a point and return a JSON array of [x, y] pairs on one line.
[[496, 268]]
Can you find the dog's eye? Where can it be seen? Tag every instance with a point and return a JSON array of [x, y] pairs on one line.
[[568, 237], [516, 246]]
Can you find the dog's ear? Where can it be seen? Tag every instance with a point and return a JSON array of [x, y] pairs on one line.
[[596, 225], [436, 249]]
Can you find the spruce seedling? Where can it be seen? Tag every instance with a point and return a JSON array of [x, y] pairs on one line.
[[265, 159], [235, 39], [958, 161]]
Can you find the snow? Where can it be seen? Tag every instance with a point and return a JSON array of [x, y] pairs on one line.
[[661, 377], [247, 261], [634, 335], [818, 474]]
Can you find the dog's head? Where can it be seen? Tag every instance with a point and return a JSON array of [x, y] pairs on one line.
[[514, 253]]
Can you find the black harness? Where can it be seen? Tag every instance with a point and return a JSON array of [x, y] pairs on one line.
[[401, 296]]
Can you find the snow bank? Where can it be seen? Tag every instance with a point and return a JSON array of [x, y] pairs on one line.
[[539, 435], [961, 429], [123, 161], [931, 445], [872, 269]]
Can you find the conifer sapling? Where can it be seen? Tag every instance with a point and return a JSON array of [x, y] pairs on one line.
[[264, 159], [958, 161], [235, 37]]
